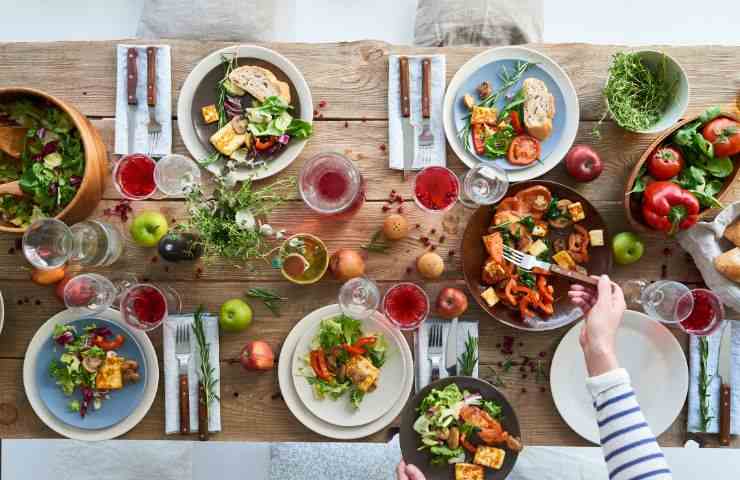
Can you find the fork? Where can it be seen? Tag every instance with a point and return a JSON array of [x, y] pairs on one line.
[[528, 262], [434, 348], [154, 128], [182, 353], [425, 139]]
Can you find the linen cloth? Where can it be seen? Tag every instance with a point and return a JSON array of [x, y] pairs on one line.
[[163, 108], [436, 98], [421, 342], [694, 417], [478, 22], [171, 374]]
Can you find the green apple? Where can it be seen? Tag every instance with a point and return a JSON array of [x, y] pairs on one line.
[[235, 316], [148, 227], [627, 248]]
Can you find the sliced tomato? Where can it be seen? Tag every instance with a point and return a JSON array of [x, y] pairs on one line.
[[479, 138], [536, 198], [107, 345], [263, 143], [512, 204], [724, 134], [516, 122], [523, 150]]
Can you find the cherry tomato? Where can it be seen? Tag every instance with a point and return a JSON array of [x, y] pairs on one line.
[[724, 134], [523, 150], [108, 344], [516, 122], [665, 163], [261, 144]]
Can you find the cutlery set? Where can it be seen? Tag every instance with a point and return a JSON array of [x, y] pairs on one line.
[[437, 343], [418, 139], [154, 128]]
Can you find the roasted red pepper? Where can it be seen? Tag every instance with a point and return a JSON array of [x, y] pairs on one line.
[[353, 350], [479, 138], [263, 143], [516, 122], [667, 207], [318, 364], [100, 341]]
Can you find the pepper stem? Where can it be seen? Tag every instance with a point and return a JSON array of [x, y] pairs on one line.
[[676, 216]]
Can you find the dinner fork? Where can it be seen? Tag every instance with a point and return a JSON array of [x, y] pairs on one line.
[[425, 139], [434, 347], [182, 352], [154, 128], [528, 262]]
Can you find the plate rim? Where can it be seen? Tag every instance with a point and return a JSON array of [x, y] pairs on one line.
[[630, 316], [547, 64], [50, 420], [186, 97]]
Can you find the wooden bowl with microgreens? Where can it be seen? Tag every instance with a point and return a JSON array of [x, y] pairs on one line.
[[685, 173]]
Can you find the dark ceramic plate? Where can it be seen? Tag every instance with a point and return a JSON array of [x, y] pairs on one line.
[[474, 255], [410, 440]]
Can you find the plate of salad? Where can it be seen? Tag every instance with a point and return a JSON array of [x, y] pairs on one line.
[[460, 426], [91, 373], [245, 112], [513, 106], [346, 371]]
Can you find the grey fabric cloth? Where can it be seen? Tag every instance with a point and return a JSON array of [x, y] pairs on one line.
[[478, 22], [243, 20]]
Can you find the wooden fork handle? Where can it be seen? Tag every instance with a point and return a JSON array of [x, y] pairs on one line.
[[151, 76], [426, 78], [574, 276], [403, 67], [184, 405]]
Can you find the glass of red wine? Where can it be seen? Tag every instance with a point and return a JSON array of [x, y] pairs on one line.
[[436, 189], [145, 306], [406, 305], [133, 176], [701, 312], [330, 184]]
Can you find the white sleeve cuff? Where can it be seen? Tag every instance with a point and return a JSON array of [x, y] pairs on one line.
[[606, 381]]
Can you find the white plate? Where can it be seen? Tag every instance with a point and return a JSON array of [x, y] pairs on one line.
[[652, 356], [304, 415], [184, 103], [340, 412], [553, 70], [51, 421]]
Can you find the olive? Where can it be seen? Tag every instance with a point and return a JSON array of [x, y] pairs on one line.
[[176, 247]]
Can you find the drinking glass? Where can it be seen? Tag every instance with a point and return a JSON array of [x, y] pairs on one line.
[[176, 175], [89, 294], [145, 305], [484, 184], [659, 299], [331, 184], [133, 176], [436, 189], [700, 312], [359, 298], [406, 305], [49, 243]]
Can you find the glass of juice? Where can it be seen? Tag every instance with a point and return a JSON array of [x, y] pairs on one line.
[[406, 305], [145, 306], [436, 189], [133, 176], [701, 312], [330, 184], [304, 259]]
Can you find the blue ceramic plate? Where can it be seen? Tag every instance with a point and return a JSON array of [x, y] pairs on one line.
[[116, 408]]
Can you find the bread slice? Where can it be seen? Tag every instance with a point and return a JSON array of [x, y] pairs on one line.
[[539, 108], [732, 232], [728, 264], [260, 83]]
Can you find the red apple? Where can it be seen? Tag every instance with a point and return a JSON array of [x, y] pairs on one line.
[[583, 163], [257, 355], [59, 289], [451, 302]]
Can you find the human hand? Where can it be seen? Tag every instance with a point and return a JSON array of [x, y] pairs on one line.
[[604, 308], [408, 472]]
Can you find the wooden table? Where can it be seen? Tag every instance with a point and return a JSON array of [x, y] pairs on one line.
[[351, 78]]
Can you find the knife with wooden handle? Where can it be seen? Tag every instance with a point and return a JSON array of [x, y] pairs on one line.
[[724, 369], [132, 77], [184, 404], [406, 126], [574, 275]]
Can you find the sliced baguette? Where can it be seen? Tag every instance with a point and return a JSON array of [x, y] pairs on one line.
[[539, 108], [260, 83]]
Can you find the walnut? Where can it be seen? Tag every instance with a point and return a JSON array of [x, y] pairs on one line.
[[484, 90]]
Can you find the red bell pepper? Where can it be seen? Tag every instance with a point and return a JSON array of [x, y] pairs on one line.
[[667, 207], [479, 138], [516, 122], [318, 364]]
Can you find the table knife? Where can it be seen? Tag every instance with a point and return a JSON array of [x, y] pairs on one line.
[[724, 368], [151, 79], [451, 350], [407, 128], [132, 77]]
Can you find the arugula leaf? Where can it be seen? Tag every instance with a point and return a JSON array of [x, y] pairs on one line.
[[498, 143], [299, 128]]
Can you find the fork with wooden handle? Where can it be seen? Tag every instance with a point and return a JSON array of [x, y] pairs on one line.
[[528, 262]]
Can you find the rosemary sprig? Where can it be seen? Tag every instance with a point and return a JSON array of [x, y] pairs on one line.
[[377, 243], [228, 61], [469, 358], [540, 372], [207, 372], [705, 380], [270, 299]]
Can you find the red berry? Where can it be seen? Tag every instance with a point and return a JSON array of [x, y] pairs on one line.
[[322, 104]]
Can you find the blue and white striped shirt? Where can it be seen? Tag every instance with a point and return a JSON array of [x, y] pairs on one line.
[[630, 449]]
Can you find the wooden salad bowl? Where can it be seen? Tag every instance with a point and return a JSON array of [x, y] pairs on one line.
[[632, 207], [96, 159]]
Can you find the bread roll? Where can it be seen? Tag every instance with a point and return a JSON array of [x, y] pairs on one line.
[[539, 108], [732, 232], [728, 264]]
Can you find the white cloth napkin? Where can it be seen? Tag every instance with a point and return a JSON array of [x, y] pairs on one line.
[[171, 384], [694, 417], [395, 135], [163, 108], [421, 342]]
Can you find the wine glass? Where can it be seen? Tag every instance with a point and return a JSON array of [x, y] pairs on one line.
[[89, 294], [359, 298], [701, 312], [659, 300], [436, 189], [145, 305], [406, 305], [484, 184]]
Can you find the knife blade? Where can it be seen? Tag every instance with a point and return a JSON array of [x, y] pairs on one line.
[[724, 368], [132, 77], [451, 351], [407, 128]]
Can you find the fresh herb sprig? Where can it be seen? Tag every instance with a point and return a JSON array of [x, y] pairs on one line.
[[207, 371], [270, 299], [377, 243], [705, 381], [469, 358]]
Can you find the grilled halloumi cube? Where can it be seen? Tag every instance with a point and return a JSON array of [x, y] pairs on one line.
[[596, 238], [468, 471], [537, 248], [110, 374], [576, 212], [493, 272], [483, 115], [540, 229], [564, 259], [490, 296], [210, 114], [226, 140], [490, 457], [362, 373]]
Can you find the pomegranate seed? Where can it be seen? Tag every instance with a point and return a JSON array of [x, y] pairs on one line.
[[322, 104], [442, 239], [408, 270], [393, 193], [418, 226], [524, 376], [498, 345], [521, 344], [400, 209], [424, 239], [434, 230], [346, 124], [524, 390], [382, 147], [543, 389], [155, 259], [543, 354], [386, 208], [315, 112], [451, 253], [433, 248]]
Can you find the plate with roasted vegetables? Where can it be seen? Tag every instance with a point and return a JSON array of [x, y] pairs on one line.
[[461, 428], [685, 173], [347, 371], [543, 219], [246, 112], [513, 106]]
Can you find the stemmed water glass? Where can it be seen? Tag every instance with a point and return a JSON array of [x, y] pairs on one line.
[[660, 300], [484, 184], [359, 298]]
